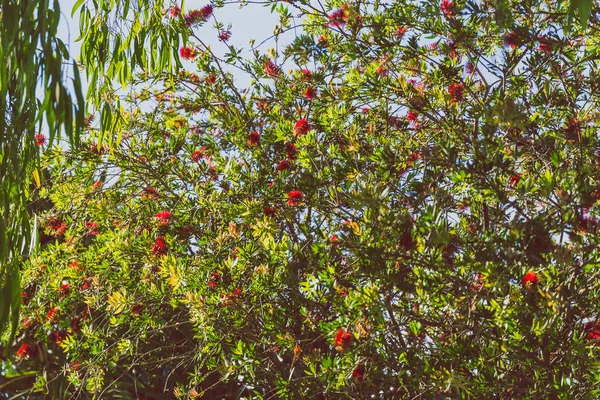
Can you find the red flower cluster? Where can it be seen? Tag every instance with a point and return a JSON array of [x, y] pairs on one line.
[[160, 246], [56, 226], [302, 127], [64, 290], [40, 139], [530, 279], [24, 351], [187, 53], [400, 31], [197, 155], [456, 91], [545, 44], [228, 298], [197, 16], [271, 68], [448, 8], [294, 197], [338, 18], [52, 314], [92, 228], [175, 11], [269, 210], [513, 181], [593, 331], [290, 151], [310, 93], [224, 36], [215, 277], [412, 116], [253, 139], [306, 74], [163, 218], [512, 40], [342, 339], [359, 372], [283, 165]]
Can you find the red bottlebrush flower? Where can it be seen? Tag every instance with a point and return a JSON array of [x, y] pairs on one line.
[[512, 40], [306, 74], [24, 297], [137, 309], [175, 11], [27, 323], [40, 139], [456, 91], [530, 279], [64, 290], [359, 372], [269, 210], [310, 93], [52, 314], [381, 71], [400, 31], [323, 41], [224, 36], [283, 165], [92, 228], [338, 18], [513, 181], [149, 193], [97, 184], [237, 292], [593, 331], [85, 286], [333, 238], [163, 218], [197, 16], [211, 79], [342, 339], [197, 155], [448, 8], [253, 139], [545, 44], [24, 351], [412, 116], [295, 197], [160, 246], [302, 127], [187, 53], [56, 227], [290, 151], [215, 278], [271, 68], [270, 184]]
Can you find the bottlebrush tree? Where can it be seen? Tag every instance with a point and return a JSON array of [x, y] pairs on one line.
[[401, 204]]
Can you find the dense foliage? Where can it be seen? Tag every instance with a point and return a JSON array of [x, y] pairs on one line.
[[401, 204]]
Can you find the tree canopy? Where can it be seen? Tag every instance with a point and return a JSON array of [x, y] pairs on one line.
[[402, 203]]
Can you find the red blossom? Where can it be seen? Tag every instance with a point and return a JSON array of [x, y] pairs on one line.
[[269, 210], [290, 151], [160, 246], [187, 53], [283, 165], [175, 11], [512, 40], [295, 197], [513, 181], [52, 314], [24, 297], [27, 323], [40, 139], [342, 339], [97, 184], [24, 351], [400, 31], [215, 278], [224, 36], [64, 290], [56, 226], [306, 74], [92, 228], [271, 68], [163, 218], [197, 155], [211, 79], [198, 16], [593, 331], [545, 44], [253, 139], [323, 41], [302, 127], [448, 8], [149, 193], [309, 93], [338, 18], [530, 279], [456, 91], [359, 372], [412, 116]]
